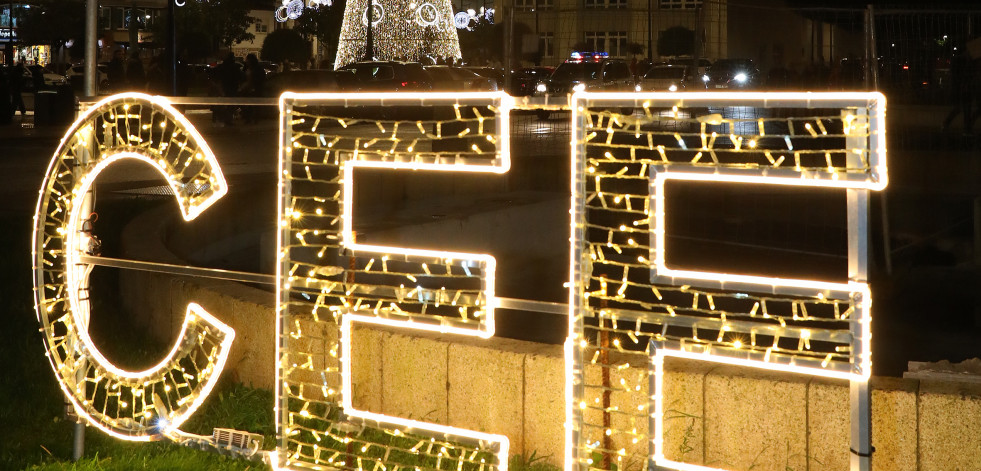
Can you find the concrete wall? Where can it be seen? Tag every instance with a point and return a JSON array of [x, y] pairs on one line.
[[722, 416]]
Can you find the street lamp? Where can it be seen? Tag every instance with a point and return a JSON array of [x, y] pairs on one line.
[[172, 43]]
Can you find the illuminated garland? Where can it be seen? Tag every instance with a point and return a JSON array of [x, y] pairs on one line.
[[624, 295], [407, 30], [293, 9], [328, 281], [131, 405]]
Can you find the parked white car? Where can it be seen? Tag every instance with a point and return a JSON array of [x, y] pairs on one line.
[[51, 79], [76, 74]]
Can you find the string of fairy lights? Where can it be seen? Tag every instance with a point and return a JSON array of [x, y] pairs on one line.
[[629, 297], [329, 280], [132, 405]]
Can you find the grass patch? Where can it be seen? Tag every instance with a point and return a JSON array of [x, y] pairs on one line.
[[34, 434], [533, 462]]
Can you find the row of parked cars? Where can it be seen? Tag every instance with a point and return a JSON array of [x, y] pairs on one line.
[[598, 72], [582, 71], [386, 76]]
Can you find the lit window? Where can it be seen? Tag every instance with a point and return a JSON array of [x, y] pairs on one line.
[[680, 4]]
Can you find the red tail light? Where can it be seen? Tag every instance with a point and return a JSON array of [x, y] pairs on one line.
[[405, 84]]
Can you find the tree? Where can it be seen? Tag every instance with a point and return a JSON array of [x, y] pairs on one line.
[[635, 49], [676, 41], [205, 26], [482, 42], [324, 23], [285, 44]]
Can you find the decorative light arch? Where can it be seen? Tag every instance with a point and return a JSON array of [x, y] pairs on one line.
[[131, 405]]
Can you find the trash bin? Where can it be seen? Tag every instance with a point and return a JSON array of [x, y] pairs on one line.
[[63, 107], [54, 106], [42, 106]]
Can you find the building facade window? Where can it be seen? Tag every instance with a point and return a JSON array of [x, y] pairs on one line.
[[605, 3], [529, 5], [547, 44], [261, 27], [105, 17], [613, 43], [117, 18], [679, 4]]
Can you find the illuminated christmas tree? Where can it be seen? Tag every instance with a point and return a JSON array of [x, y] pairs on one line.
[[409, 30]]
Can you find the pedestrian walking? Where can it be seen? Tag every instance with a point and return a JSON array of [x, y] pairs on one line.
[[255, 79], [17, 89], [135, 75], [6, 112], [230, 78], [157, 82], [116, 71]]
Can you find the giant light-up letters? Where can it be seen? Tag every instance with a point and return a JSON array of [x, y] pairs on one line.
[[624, 295], [132, 405], [329, 280]]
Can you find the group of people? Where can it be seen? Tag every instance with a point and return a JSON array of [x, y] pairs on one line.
[[126, 74], [229, 79], [13, 84], [129, 74]]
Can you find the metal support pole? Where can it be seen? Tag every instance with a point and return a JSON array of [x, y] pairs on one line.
[[78, 440], [172, 45], [858, 271], [369, 48], [652, 397], [860, 400], [84, 157], [508, 44], [91, 47], [861, 426], [91, 51], [872, 83], [538, 37], [650, 31], [281, 409], [977, 230], [9, 50]]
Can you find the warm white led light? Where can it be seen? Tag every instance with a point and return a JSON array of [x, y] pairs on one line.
[[131, 405]]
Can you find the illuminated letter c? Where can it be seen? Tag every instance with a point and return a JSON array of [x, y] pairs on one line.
[[142, 405]]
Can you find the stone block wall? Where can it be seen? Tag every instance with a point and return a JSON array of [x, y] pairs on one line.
[[721, 416]]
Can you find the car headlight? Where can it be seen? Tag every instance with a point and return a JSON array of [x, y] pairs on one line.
[[541, 87], [705, 78], [740, 77], [673, 88], [579, 87], [637, 87]]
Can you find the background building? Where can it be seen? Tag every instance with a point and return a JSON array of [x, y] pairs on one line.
[[767, 31]]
